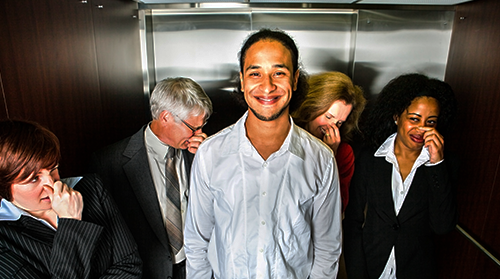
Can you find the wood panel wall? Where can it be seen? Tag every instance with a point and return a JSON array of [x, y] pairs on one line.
[[73, 66], [473, 70]]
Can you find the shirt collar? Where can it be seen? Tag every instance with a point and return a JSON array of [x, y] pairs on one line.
[[10, 212], [155, 146], [387, 150], [291, 143]]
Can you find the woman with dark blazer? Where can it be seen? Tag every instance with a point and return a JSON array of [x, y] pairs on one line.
[[401, 192], [53, 228]]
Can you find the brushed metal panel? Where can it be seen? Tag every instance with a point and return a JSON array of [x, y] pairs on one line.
[[393, 42], [371, 46]]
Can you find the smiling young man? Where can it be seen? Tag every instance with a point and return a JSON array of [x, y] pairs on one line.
[[264, 190], [137, 172]]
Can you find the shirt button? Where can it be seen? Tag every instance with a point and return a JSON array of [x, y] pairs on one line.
[[264, 193], [263, 222], [264, 165], [402, 192], [261, 250]]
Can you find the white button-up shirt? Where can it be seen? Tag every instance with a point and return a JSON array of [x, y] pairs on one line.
[[274, 218]]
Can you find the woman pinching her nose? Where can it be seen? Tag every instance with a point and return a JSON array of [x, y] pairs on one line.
[[330, 111], [52, 227], [66, 202], [402, 188]]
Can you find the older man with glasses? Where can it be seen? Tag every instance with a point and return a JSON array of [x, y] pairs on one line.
[[148, 173]]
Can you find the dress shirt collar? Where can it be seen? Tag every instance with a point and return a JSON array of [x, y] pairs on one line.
[[291, 143], [387, 150], [155, 146], [10, 212]]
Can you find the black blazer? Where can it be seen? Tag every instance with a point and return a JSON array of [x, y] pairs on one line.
[[429, 207], [100, 245], [124, 168]]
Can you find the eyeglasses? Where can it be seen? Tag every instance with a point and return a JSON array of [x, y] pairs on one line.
[[193, 129]]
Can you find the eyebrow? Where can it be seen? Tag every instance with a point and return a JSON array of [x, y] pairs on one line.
[[278, 66], [414, 113]]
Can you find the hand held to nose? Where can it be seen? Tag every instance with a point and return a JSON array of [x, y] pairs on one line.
[[435, 143], [332, 138], [195, 141], [66, 202]]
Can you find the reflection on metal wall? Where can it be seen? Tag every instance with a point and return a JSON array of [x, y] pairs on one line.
[[370, 46], [390, 43]]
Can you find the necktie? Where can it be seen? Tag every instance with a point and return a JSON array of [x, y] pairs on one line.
[[174, 218]]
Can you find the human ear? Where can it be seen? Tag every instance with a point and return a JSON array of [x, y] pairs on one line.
[[296, 79], [164, 116]]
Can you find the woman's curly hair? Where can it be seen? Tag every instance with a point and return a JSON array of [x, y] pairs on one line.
[[397, 96]]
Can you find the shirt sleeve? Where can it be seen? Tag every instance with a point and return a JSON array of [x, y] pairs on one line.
[[443, 212], [345, 164], [326, 227], [199, 222], [80, 238], [80, 246]]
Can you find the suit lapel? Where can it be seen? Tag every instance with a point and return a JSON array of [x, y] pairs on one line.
[[416, 193], [33, 229], [30, 240], [36, 230], [139, 177], [383, 171]]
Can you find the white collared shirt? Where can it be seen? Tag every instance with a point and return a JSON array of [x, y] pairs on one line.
[[274, 218], [399, 188], [156, 157]]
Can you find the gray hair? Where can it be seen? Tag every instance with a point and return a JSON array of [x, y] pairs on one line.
[[180, 96]]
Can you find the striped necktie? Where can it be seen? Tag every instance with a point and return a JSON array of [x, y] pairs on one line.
[[174, 218]]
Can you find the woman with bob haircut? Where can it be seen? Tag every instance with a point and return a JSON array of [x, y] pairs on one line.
[[402, 189], [52, 227], [330, 111]]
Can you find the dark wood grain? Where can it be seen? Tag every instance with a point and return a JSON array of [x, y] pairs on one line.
[[125, 106], [68, 66], [474, 73]]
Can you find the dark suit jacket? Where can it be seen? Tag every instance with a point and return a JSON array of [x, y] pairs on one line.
[[429, 207], [98, 246], [124, 168]]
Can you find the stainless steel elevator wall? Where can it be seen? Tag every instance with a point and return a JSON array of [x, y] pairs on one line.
[[371, 46]]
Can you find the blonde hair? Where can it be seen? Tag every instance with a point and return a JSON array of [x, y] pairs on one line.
[[324, 90]]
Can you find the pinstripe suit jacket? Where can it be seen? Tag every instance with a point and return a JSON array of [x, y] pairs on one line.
[[124, 168], [98, 246]]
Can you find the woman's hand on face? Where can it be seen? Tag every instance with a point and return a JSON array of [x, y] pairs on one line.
[[332, 137], [66, 202], [434, 141]]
